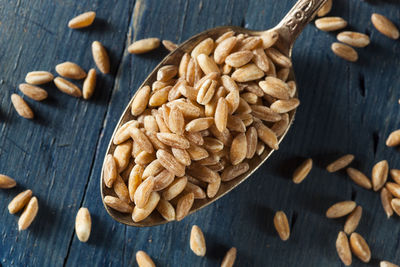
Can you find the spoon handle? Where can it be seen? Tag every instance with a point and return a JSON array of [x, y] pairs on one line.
[[297, 18]]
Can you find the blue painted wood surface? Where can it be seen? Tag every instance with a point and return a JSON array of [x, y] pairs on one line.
[[345, 108]]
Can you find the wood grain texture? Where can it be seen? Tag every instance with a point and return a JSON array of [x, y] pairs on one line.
[[345, 108]]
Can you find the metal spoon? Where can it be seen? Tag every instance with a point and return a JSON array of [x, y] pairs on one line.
[[289, 28]]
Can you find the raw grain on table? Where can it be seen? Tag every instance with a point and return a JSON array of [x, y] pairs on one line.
[[83, 224], [67, 87], [385, 26], [340, 209], [330, 23], [144, 260], [83, 20], [343, 248], [197, 241], [359, 247], [70, 70], [344, 51], [386, 199], [325, 9], [7, 182], [395, 174], [170, 46], [33, 92], [393, 139], [29, 214], [359, 178], [355, 39], [396, 205], [89, 84], [302, 171], [38, 77], [100, 57], [282, 225], [387, 264], [21, 107], [340, 163], [352, 221], [229, 258], [19, 201], [393, 188], [144, 46], [379, 174]]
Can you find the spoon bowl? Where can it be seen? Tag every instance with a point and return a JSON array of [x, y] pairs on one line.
[[288, 29]]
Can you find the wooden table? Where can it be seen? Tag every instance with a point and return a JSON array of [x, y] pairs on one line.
[[345, 108]]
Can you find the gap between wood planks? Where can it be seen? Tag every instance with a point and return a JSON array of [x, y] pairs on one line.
[[117, 75]]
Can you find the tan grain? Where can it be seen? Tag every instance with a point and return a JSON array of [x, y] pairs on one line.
[[359, 178], [144, 260], [83, 20], [343, 248], [340, 209], [184, 205], [7, 182], [395, 203], [100, 57], [278, 58], [379, 174], [83, 224], [393, 188], [89, 84], [197, 241], [144, 46], [33, 92], [229, 258], [141, 214], [118, 204], [302, 171], [238, 150], [355, 39], [223, 49], [21, 107], [169, 162], [166, 210], [282, 225], [19, 201], [359, 247], [170, 46], [207, 64], [393, 139], [385, 26], [267, 135], [386, 199], [29, 214], [344, 51], [70, 70], [275, 87], [246, 73], [330, 23], [340, 163], [269, 38], [38, 77], [232, 172], [109, 170], [123, 132], [67, 87], [352, 221]]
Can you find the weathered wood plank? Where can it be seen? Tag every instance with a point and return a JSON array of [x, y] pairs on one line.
[[325, 125], [346, 108], [52, 154]]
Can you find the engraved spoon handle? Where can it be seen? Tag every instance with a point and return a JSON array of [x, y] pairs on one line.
[[297, 18]]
